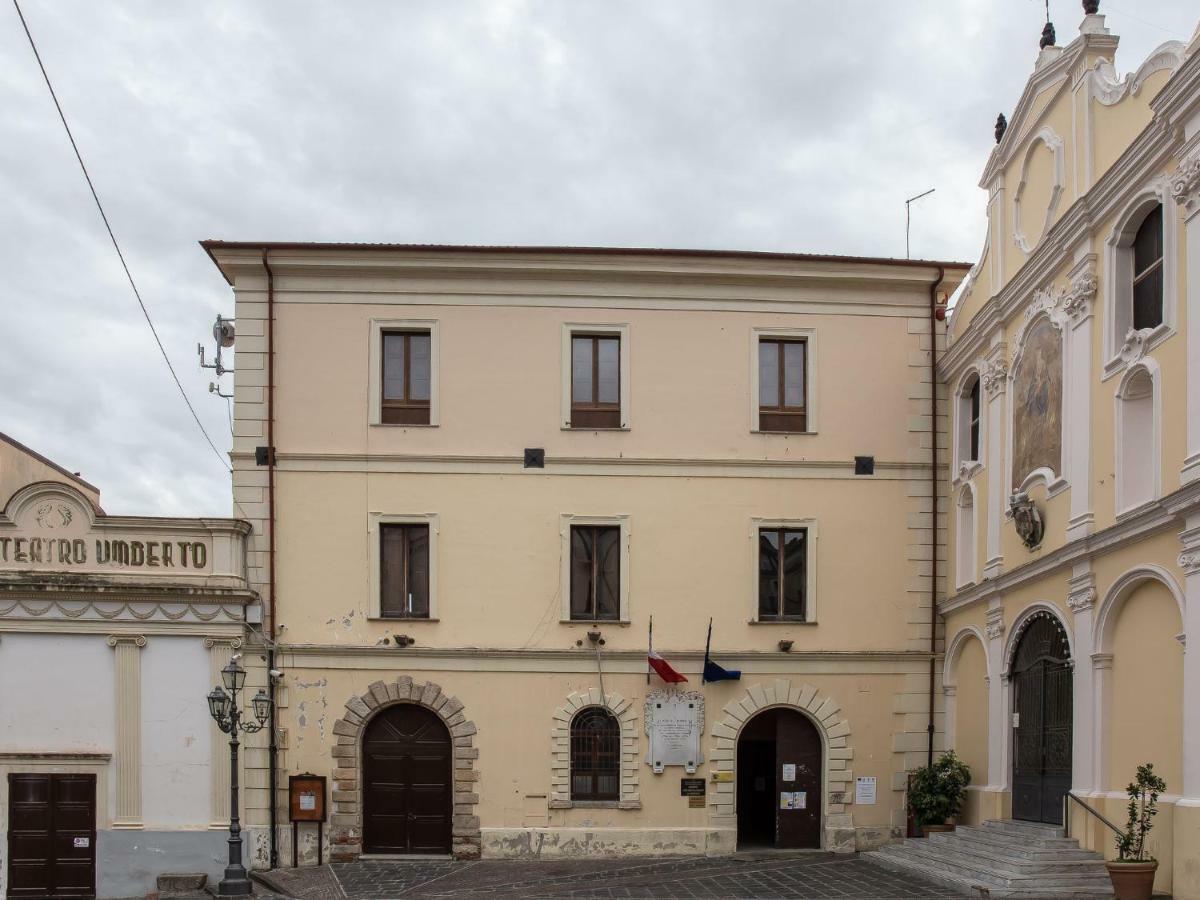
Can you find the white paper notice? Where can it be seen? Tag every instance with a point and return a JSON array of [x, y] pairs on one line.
[[308, 801], [800, 800], [789, 771], [83, 842], [864, 790]]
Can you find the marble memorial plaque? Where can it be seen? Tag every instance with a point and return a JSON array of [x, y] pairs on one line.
[[674, 724]]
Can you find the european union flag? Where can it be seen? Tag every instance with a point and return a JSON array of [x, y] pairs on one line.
[[712, 671]]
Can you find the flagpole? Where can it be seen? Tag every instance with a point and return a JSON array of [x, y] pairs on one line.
[[707, 647]]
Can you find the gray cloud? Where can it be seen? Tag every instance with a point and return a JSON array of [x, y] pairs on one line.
[[682, 123]]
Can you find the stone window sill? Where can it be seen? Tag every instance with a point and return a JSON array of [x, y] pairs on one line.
[[595, 804], [782, 622]]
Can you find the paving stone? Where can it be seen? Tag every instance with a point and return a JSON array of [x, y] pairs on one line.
[[767, 875]]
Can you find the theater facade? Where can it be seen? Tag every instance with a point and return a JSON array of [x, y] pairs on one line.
[[112, 631]]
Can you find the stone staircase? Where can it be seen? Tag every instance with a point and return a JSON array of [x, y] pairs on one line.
[[1003, 859]]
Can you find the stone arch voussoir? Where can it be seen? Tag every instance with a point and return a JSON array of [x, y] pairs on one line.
[[560, 742], [836, 736], [345, 833]]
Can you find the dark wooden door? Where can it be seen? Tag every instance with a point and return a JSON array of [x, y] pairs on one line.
[[1042, 703], [51, 835], [408, 782], [798, 755]]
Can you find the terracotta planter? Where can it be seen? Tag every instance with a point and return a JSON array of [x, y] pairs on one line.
[[927, 830], [1132, 880]]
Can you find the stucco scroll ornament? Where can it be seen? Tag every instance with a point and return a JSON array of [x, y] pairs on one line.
[[1027, 519], [1185, 183], [53, 515], [1082, 599], [1189, 561], [993, 375], [1077, 302], [995, 625], [1051, 301]]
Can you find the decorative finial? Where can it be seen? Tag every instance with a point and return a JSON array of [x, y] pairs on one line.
[[1001, 127], [1048, 37], [1091, 7]]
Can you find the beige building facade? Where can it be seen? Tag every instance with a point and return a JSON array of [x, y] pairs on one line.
[[476, 474], [1073, 369]]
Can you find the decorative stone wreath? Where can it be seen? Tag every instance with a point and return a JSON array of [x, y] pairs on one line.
[[345, 833]]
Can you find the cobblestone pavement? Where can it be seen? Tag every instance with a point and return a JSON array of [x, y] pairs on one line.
[[816, 875]]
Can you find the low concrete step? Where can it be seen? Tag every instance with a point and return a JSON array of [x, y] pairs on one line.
[[963, 865], [971, 842], [1027, 829], [179, 885], [998, 838]]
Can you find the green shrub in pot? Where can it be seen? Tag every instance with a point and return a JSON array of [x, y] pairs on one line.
[[936, 793]]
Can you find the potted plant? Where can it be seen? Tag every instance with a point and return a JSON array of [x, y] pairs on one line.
[[936, 793], [1132, 872]]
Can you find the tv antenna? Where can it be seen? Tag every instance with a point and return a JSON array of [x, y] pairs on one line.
[[223, 334], [908, 218]]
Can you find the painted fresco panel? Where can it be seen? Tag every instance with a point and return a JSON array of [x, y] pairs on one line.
[[1037, 403]]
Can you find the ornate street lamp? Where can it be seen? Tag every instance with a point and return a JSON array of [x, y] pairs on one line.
[[223, 707]]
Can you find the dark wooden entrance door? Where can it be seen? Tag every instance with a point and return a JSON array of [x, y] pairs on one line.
[[779, 781], [51, 835], [1041, 679], [408, 782]]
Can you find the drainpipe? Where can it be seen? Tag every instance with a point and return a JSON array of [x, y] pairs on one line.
[[273, 741], [934, 485]]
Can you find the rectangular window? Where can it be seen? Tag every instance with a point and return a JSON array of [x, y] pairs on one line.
[[782, 385], [406, 374], [1148, 272], [595, 572], [783, 574], [595, 381], [404, 571]]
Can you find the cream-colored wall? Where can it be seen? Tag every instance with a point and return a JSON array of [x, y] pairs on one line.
[[514, 711], [971, 738], [692, 555], [1147, 688], [500, 384], [18, 467]]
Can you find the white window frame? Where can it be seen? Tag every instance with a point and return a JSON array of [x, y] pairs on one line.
[[809, 336], [375, 365], [566, 520], [757, 524], [375, 556], [1123, 509], [615, 329], [1118, 283], [966, 468]]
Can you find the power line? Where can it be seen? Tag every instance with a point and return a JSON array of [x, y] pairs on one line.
[[113, 238]]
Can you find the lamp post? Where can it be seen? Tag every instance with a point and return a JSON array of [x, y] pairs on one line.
[[223, 706]]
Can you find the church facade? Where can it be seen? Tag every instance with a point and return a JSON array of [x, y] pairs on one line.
[[1073, 369]]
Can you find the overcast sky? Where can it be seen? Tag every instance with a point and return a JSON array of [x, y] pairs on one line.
[[757, 124]]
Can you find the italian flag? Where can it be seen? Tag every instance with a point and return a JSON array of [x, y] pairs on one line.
[[658, 664]]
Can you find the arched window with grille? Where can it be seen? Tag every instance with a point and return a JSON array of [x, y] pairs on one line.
[[595, 755]]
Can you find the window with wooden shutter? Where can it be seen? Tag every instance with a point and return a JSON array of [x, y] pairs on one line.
[[407, 377], [782, 385], [404, 571], [595, 381], [595, 755], [783, 574], [595, 572]]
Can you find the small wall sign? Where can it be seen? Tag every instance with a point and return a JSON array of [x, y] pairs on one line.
[[82, 842], [307, 798], [692, 787], [864, 790]]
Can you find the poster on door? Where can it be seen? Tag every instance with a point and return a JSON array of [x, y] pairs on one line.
[[793, 800]]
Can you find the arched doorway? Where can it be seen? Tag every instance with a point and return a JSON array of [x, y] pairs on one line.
[[779, 781], [1041, 683], [408, 782]]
